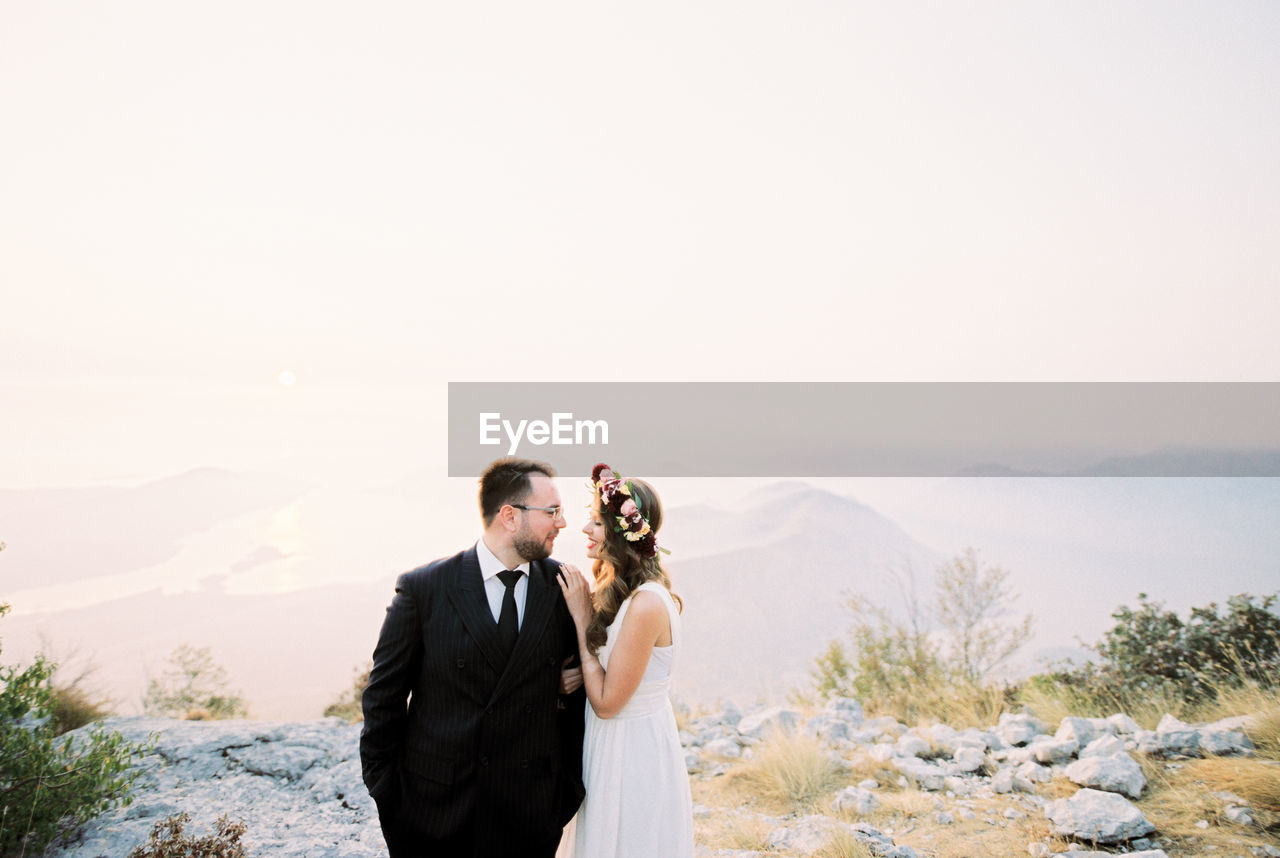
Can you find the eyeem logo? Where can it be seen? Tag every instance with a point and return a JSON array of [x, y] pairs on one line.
[[562, 430]]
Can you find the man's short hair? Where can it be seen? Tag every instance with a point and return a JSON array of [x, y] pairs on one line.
[[507, 481]]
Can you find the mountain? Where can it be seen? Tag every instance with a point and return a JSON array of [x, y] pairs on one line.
[[764, 584], [61, 535]]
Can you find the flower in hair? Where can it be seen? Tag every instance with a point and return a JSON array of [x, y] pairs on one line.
[[626, 515]]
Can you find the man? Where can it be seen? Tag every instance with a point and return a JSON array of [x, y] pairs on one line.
[[486, 760]]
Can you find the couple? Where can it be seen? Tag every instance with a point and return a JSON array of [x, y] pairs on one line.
[[475, 739]]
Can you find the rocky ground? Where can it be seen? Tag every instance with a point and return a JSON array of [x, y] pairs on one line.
[[298, 788]]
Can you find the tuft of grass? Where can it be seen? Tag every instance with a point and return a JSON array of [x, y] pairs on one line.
[[744, 832], [1256, 781], [789, 772], [1264, 732], [1180, 794], [844, 845], [74, 707]]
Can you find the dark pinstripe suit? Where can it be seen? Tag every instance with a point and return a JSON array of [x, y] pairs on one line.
[[482, 752]]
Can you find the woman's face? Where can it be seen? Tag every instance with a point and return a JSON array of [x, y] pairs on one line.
[[594, 529]]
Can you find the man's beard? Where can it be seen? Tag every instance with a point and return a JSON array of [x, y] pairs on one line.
[[529, 548]]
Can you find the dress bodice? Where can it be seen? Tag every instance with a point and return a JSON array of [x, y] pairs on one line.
[[653, 693]]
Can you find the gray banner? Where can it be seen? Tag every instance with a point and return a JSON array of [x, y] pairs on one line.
[[868, 429]]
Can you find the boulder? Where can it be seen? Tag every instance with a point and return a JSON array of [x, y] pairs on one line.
[[912, 746], [1083, 730], [847, 709], [1177, 737], [776, 719], [1118, 773], [1103, 746], [969, 759], [1050, 749], [726, 748], [1223, 743], [1123, 724], [926, 775], [1097, 816], [1018, 729], [855, 800]]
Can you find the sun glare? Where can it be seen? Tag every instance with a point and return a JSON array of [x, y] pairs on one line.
[[287, 378]]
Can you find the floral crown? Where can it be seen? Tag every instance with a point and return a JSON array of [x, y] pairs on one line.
[[622, 506]]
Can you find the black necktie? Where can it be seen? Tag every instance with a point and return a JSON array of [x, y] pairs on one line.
[[508, 623]]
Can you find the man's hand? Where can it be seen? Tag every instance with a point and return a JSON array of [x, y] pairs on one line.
[[570, 677]]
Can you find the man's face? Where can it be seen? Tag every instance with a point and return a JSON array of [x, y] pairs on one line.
[[538, 529]]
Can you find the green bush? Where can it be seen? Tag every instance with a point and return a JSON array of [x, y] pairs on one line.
[[51, 785], [923, 663], [193, 687], [168, 840], [347, 706], [1151, 653]]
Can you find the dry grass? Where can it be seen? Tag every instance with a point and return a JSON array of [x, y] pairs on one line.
[[788, 772], [1256, 781], [1180, 794], [844, 845], [1264, 732], [745, 832]]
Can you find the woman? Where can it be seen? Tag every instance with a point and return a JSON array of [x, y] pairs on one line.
[[638, 803]]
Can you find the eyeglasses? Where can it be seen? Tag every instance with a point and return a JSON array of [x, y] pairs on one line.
[[554, 511]]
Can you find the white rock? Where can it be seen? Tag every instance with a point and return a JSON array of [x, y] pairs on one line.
[[1103, 746], [1050, 749], [726, 748], [828, 728], [855, 800], [1083, 730], [848, 709], [1119, 773], [1238, 815], [1123, 724], [869, 783], [926, 775], [1018, 729], [1038, 850], [761, 724], [1225, 742], [1102, 817], [969, 759], [1176, 737], [1034, 773], [885, 725], [944, 818], [912, 746]]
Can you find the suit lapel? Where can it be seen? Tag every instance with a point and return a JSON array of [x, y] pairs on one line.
[[471, 603], [539, 604]]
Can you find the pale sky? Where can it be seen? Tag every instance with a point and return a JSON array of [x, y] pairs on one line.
[[386, 197]]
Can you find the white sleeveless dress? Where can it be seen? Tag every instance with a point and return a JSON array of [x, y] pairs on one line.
[[638, 802]]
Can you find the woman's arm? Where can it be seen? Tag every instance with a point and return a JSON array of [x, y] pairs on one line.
[[646, 621]]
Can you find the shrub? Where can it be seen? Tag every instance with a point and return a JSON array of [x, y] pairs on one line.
[[790, 771], [193, 687], [1152, 659], [51, 785], [347, 707], [921, 665], [168, 840]]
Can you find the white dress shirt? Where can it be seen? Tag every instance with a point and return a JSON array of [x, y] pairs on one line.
[[490, 566]]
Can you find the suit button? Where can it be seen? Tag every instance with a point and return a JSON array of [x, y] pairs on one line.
[[461, 663], [484, 761], [552, 661], [528, 707], [524, 764]]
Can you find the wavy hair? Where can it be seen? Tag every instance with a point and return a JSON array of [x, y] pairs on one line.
[[619, 570]]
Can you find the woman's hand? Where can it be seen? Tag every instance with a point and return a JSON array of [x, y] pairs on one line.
[[576, 595]]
